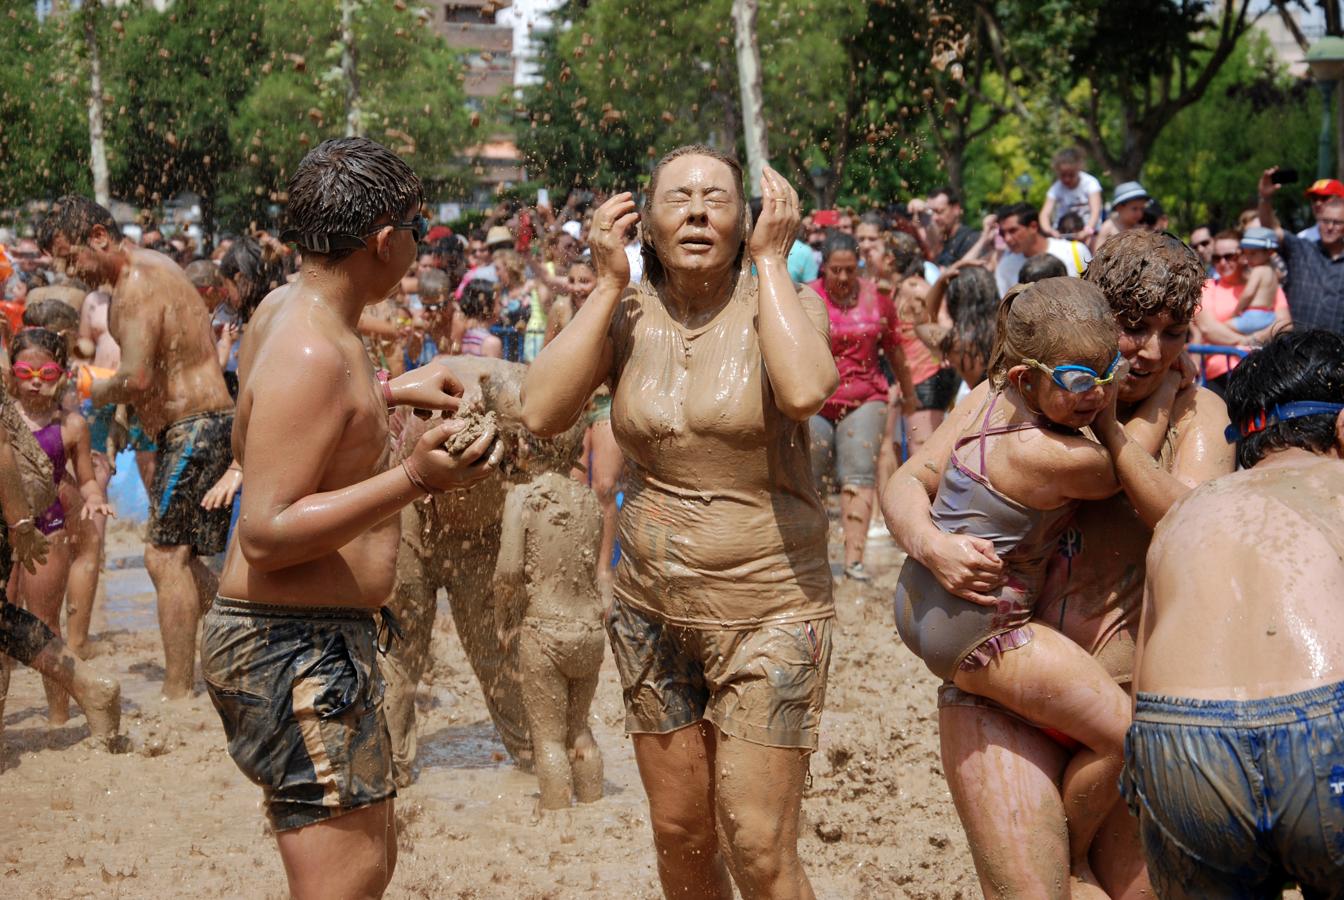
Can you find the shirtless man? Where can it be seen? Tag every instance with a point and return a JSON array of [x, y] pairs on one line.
[[1235, 760], [289, 649], [169, 371], [1094, 589]]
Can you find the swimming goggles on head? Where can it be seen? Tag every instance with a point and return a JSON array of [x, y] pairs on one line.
[[1074, 378], [1280, 413], [48, 372], [326, 243]]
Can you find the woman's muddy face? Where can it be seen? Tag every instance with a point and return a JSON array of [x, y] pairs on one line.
[[696, 216], [840, 274], [1151, 347], [1227, 260]]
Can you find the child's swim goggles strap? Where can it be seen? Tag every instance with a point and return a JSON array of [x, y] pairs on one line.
[[1280, 413]]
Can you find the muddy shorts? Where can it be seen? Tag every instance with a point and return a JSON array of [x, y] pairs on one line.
[[1235, 799], [766, 685], [574, 648], [848, 445], [300, 695], [193, 453]]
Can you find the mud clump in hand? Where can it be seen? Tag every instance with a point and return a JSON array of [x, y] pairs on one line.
[[476, 422]]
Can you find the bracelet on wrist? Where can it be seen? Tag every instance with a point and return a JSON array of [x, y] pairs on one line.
[[27, 521], [414, 476]]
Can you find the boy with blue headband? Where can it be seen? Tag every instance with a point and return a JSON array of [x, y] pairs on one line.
[[1235, 760]]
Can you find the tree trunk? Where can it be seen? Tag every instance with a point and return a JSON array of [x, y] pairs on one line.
[[97, 145], [208, 220], [749, 82], [1332, 17], [349, 62]]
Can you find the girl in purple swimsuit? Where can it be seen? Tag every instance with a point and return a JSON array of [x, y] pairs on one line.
[[37, 380]]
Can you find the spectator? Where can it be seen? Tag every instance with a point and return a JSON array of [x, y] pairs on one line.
[[1041, 266], [958, 238], [847, 432], [1218, 304], [1315, 285], [478, 317], [1319, 192], [1021, 229], [1127, 209], [1201, 239], [1074, 191], [1069, 226]]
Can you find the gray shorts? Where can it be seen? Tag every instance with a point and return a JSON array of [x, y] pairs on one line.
[[1236, 798], [845, 453]]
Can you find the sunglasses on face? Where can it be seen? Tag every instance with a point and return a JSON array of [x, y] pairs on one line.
[[1224, 257], [326, 243], [48, 372], [1076, 379]]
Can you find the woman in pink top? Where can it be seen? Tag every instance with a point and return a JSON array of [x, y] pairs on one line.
[[1219, 304], [847, 433]]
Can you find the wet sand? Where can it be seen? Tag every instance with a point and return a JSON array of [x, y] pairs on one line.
[[174, 817]]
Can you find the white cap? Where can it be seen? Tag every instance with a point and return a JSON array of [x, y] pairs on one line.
[[573, 228]]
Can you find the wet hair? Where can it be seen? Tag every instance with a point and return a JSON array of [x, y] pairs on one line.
[[1295, 366], [905, 253], [1069, 156], [972, 292], [254, 269], [434, 283], [838, 242], [74, 218], [1143, 273], [478, 299], [511, 261], [1055, 321], [51, 314], [42, 339], [653, 266], [952, 194], [971, 336], [349, 186], [1041, 266], [1070, 223], [204, 273], [1025, 213]]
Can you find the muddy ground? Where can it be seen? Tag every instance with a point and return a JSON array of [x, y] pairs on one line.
[[175, 818]]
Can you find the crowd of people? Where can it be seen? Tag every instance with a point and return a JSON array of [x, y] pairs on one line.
[[623, 422]]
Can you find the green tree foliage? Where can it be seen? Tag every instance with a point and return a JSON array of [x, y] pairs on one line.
[[1205, 165], [176, 79], [410, 94], [44, 146]]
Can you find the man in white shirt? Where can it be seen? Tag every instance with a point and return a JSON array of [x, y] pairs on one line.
[[1021, 229]]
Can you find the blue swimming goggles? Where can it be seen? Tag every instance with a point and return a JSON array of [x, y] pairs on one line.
[[1074, 378], [1280, 413]]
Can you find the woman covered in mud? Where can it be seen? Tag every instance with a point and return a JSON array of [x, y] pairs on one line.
[[1092, 592], [721, 620]]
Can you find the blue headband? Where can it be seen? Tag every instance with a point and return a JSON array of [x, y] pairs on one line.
[[1280, 413]]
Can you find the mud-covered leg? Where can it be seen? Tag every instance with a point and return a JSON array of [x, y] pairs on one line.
[[586, 755], [413, 605]]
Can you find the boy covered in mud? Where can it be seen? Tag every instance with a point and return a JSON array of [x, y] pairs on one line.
[[1235, 760], [289, 649], [546, 593]]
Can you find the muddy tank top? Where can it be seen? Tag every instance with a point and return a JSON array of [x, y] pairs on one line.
[[721, 526]]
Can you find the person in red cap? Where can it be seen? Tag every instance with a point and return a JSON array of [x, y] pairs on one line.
[[1321, 190]]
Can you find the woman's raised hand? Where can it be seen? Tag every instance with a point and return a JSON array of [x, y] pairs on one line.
[[607, 238], [773, 234]]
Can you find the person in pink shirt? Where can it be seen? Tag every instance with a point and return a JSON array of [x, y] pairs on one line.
[[1218, 304], [847, 433]]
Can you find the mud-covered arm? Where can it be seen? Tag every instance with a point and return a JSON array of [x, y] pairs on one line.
[[508, 582], [965, 565], [569, 368], [795, 343], [139, 322], [1201, 453]]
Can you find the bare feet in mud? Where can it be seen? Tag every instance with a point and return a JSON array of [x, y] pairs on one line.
[[100, 697]]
